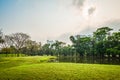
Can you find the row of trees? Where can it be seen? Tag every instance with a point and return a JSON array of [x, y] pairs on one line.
[[103, 43]]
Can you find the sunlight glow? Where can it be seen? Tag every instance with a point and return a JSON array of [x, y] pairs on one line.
[[85, 12]]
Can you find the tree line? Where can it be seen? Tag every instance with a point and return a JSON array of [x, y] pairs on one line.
[[102, 43]]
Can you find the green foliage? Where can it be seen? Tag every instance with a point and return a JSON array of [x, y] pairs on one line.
[[12, 55], [114, 43], [101, 33], [31, 48], [47, 50], [6, 50], [67, 51], [101, 43], [82, 44]]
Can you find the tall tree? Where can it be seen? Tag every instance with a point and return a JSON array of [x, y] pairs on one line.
[[46, 49], [114, 44], [19, 40], [101, 33], [57, 45], [81, 43], [100, 36]]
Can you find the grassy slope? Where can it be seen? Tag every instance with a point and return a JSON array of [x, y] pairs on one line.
[[36, 68]]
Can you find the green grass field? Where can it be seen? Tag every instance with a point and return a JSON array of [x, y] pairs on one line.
[[39, 68]]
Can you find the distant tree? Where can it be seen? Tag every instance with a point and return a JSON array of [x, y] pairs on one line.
[[100, 37], [81, 44], [31, 48], [114, 44], [46, 49], [6, 51], [57, 46], [18, 40], [7, 41], [72, 38], [67, 51], [101, 33], [1, 37]]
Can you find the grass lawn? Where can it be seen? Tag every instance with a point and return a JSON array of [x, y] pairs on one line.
[[39, 68]]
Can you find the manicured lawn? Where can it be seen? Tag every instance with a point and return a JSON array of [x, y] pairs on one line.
[[38, 68]]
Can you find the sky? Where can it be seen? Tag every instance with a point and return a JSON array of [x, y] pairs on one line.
[[57, 19]]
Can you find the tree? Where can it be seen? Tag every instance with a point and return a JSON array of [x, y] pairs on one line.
[[57, 46], [7, 41], [114, 46], [31, 48], [19, 40], [67, 51], [72, 39], [101, 33], [1, 37], [6, 51], [81, 44], [46, 49], [100, 37]]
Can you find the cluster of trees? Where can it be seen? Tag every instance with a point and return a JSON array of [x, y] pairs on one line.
[[17, 43], [58, 48], [103, 43]]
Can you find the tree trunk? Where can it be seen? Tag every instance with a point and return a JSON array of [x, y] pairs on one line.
[[108, 57], [113, 55], [18, 53], [119, 57]]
